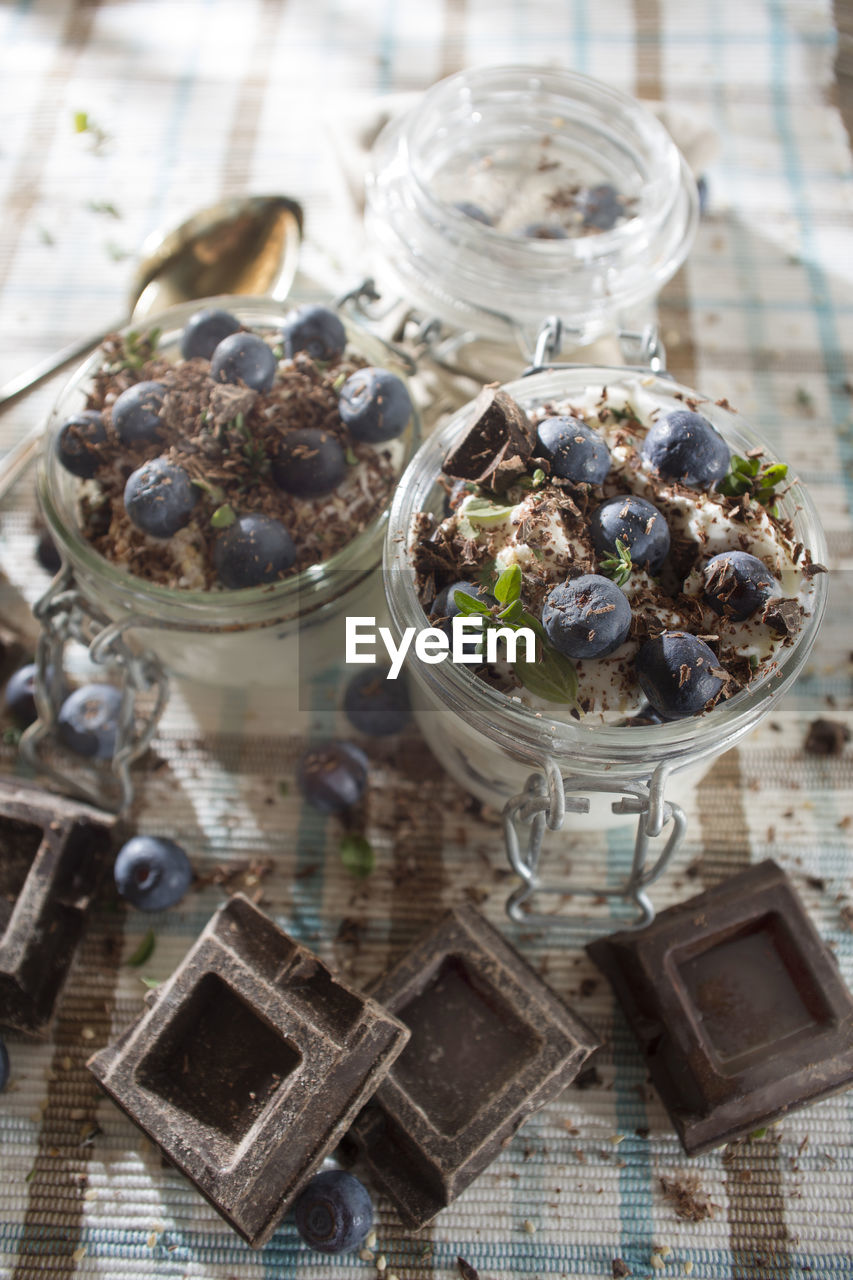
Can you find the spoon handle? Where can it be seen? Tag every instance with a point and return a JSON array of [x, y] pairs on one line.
[[17, 460]]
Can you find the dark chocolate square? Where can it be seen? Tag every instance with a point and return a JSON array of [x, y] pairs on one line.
[[490, 1044], [737, 1004], [53, 852], [249, 1065]]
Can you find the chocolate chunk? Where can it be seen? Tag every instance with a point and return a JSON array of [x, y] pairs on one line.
[[497, 446], [490, 1044], [53, 852], [783, 616], [826, 737], [250, 1064], [737, 1005]]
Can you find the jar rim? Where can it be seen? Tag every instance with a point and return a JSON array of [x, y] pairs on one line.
[[311, 588], [520, 728]]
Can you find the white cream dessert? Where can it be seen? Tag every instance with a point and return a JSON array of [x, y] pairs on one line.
[[699, 593]]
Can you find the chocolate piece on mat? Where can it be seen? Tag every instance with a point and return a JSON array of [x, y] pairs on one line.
[[249, 1065], [53, 852], [737, 1004], [491, 1043]]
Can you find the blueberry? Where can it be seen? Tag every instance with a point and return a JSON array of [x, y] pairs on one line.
[[684, 446], [575, 451], [375, 405], [136, 413], [88, 719], [77, 443], [676, 673], [588, 617], [474, 211], [333, 776], [152, 873], [602, 207], [545, 231], [18, 696], [376, 705], [205, 330], [159, 498], [5, 1069], [333, 1214], [244, 358], [737, 584], [47, 554], [314, 329], [309, 462], [635, 522], [254, 550], [444, 609]]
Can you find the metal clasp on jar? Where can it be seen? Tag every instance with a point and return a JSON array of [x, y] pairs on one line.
[[66, 615], [543, 804]]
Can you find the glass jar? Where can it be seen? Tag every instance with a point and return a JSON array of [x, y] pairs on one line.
[[513, 143], [535, 763], [281, 634]]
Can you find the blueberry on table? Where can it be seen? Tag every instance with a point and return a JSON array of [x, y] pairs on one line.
[[244, 358], [602, 207], [333, 1214], [637, 524], [677, 672], [545, 231], [375, 405], [309, 463], [88, 720], [376, 705], [333, 776], [474, 211], [575, 451], [136, 414], [205, 330], [253, 550], [588, 617], [314, 329], [19, 695], [737, 584], [47, 554], [77, 443], [685, 446], [159, 498], [5, 1069], [152, 873]]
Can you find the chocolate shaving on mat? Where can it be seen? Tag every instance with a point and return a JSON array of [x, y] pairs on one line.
[[687, 1198], [497, 446]]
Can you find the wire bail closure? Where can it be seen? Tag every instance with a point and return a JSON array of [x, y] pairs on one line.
[[543, 804], [65, 614]]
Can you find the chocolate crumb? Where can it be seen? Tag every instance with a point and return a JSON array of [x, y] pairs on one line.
[[826, 737], [687, 1198], [620, 1269]]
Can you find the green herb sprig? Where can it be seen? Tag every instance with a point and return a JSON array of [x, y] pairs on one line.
[[756, 478], [618, 566], [552, 676]]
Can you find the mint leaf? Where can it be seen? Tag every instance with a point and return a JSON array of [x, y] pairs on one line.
[[553, 678], [482, 512], [619, 566], [507, 589], [357, 855], [223, 517], [469, 604], [144, 951], [513, 613]]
